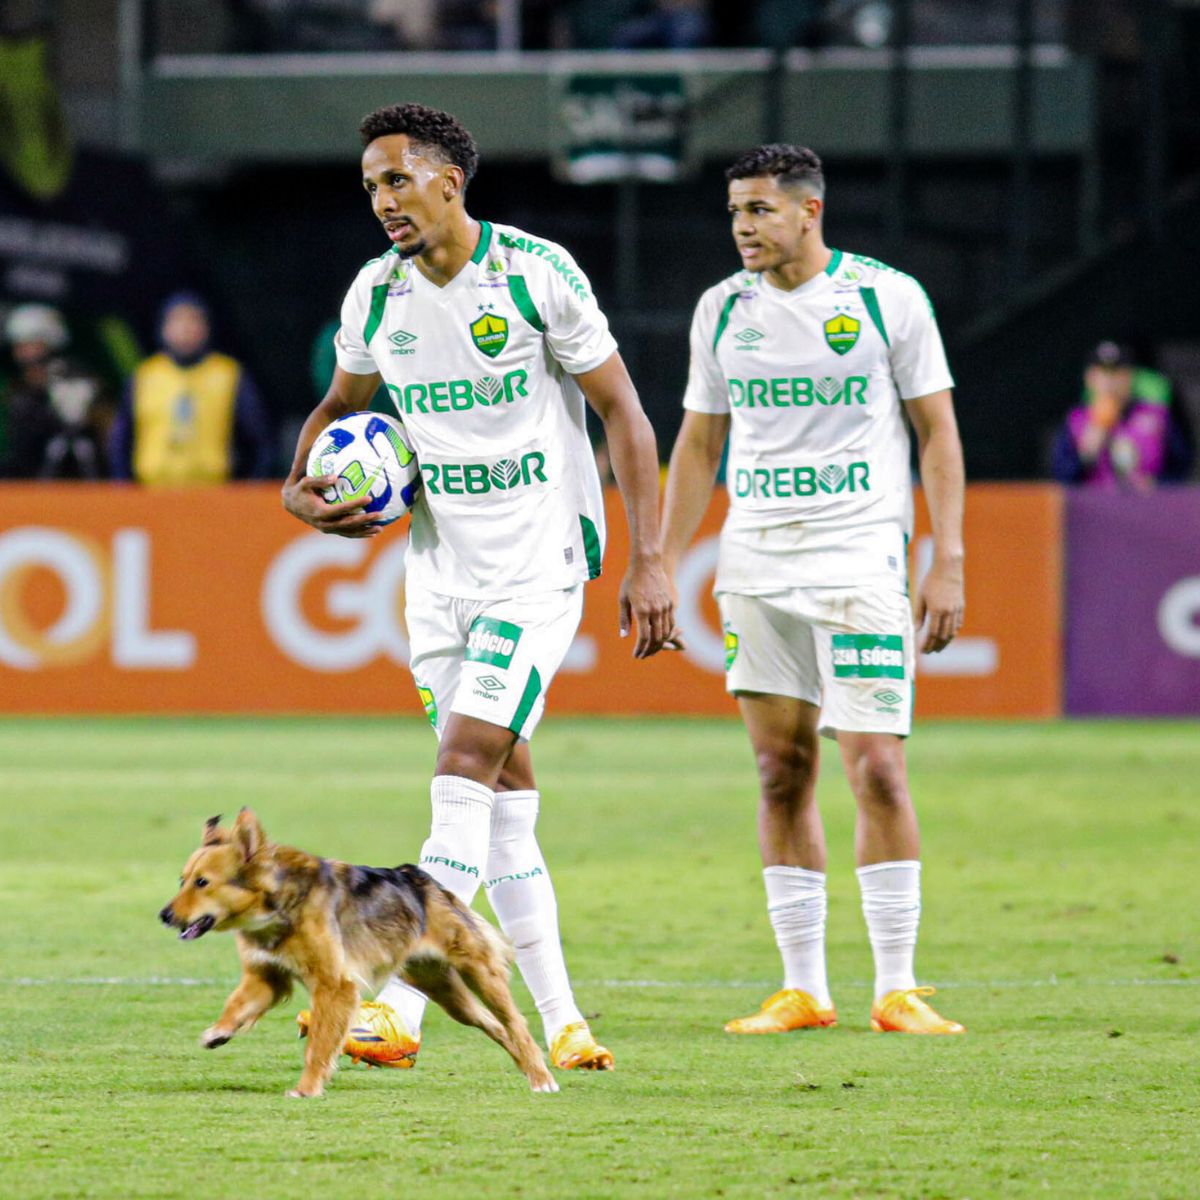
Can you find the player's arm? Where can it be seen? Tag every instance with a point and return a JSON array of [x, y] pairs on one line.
[[301, 494], [645, 591], [690, 478], [940, 601]]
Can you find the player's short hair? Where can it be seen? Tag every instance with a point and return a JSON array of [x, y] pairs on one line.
[[434, 132], [793, 166]]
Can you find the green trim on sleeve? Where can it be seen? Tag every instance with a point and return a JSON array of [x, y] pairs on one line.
[[834, 262], [872, 303], [723, 319], [591, 546], [379, 294], [485, 240], [518, 289], [528, 698]]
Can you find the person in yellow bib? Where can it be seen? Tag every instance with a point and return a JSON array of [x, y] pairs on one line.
[[190, 415]]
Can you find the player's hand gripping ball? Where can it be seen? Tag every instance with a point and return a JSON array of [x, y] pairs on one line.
[[373, 462]]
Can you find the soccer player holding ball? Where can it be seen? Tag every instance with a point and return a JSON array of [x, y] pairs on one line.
[[808, 360], [489, 341]]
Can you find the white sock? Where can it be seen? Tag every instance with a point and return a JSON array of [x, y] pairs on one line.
[[455, 854], [522, 897], [891, 901], [796, 904]]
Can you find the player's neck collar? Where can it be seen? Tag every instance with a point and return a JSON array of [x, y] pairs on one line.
[[813, 283], [485, 242]]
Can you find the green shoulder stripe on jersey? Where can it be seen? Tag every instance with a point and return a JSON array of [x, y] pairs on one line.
[[872, 303], [379, 258], [485, 240], [723, 319], [563, 265], [518, 289], [375, 316], [834, 262], [591, 546], [882, 266], [528, 698]]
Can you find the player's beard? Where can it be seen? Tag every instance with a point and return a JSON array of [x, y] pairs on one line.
[[418, 247]]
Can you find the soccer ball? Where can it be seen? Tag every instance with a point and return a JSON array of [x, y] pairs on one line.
[[373, 462]]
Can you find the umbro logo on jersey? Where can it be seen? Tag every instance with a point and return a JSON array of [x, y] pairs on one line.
[[401, 341], [749, 338], [490, 682]]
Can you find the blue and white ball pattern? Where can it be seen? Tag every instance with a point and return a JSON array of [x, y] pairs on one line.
[[370, 455]]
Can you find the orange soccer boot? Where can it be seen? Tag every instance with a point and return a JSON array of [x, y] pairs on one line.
[[903, 1011], [783, 1012], [378, 1037], [575, 1049]]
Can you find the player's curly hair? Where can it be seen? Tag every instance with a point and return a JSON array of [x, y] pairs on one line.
[[430, 129], [793, 166]]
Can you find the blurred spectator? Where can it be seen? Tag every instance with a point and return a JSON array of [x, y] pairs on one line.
[[1124, 433], [668, 25], [53, 417], [190, 415]]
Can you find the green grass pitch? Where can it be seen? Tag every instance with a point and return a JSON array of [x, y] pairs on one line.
[[1061, 897]]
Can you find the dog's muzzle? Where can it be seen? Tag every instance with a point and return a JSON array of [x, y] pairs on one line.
[[188, 933]]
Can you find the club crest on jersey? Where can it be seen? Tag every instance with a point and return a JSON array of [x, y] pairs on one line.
[[490, 334], [841, 332]]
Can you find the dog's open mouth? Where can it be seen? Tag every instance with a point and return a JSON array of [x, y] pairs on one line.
[[197, 928]]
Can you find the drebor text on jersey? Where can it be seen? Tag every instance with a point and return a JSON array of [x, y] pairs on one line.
[[458, 395], [799, 391]]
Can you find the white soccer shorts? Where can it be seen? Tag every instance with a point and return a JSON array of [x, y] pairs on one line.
[[848, 650], [490, 659]]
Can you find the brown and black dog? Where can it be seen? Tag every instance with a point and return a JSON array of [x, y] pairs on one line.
[[339, 928]]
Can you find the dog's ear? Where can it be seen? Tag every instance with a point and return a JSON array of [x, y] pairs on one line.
[[212, 835], [248, 833]]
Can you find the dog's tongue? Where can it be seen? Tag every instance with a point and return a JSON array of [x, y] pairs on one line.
[[195, 929]]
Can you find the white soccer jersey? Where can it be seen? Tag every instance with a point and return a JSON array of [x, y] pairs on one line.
[[480, 373], [818, 472]]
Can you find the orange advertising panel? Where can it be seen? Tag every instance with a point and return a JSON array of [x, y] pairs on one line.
[[119, 600], [1007, 661]]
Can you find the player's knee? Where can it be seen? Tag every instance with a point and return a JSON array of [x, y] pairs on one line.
[[784, 772], [882, 779], [469, 762], [474, 749]]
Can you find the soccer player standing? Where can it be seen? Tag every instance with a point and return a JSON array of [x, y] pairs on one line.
[[808, 360], [489, 342]]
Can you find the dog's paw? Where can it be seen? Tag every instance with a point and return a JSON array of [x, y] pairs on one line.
[[546, 1086], [213, 1037], [298, 1094]]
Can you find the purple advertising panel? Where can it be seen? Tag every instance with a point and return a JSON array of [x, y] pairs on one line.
[[1133, 603]]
